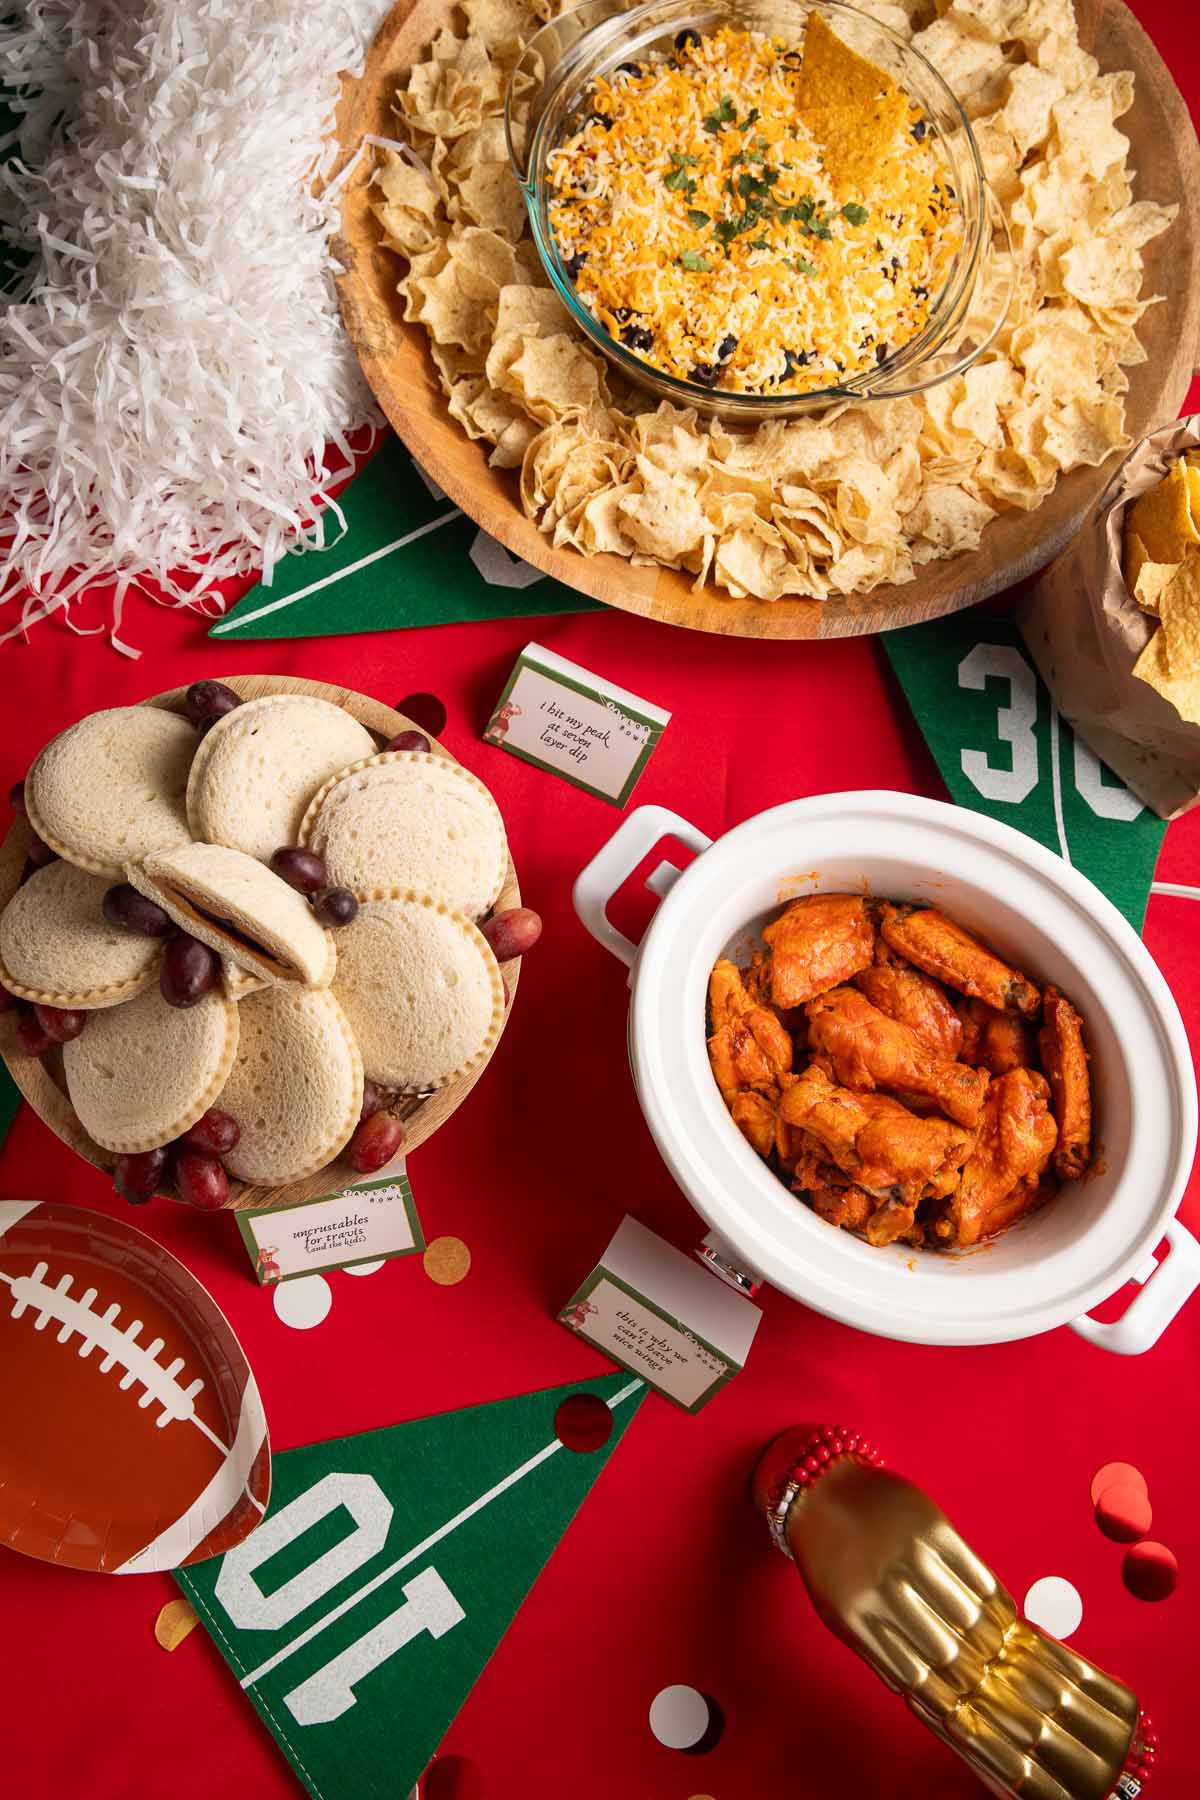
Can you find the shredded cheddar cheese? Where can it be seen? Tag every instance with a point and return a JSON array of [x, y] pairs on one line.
[[751, 217]]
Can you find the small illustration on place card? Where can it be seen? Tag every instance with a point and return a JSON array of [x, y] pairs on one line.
[[369, 1222], [564, 719], [660, 1315]]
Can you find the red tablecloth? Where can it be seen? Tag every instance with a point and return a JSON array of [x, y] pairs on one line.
[[666, 1576]]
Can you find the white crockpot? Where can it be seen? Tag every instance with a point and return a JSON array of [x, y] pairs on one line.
[[1037, 911]]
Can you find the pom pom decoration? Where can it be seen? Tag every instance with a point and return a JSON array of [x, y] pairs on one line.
[[173, 369]]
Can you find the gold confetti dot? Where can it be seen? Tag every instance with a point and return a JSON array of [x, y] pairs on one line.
[[174, 1622], [446, 1261]]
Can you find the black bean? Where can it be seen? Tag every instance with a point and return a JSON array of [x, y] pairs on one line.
[[638, 337], [950, 191], [684, 40], [573, 264], [704, 374], [919, 129], [597, 118], [726, 347], [881, 351], [629, 69], [793, 360], [920, 293]]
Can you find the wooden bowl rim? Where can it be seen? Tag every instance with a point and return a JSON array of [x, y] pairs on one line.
[[1012, 547]]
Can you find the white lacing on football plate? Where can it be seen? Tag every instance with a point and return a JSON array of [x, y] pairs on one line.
[[139, 1364]]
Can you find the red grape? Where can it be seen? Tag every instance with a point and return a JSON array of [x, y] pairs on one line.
[[425, 710], [336, 907], [38, 854], [373, 1099], [201, 1180], [208, 701], [214, 1134], [16, 798], [32, 1037], [124, 907], [60, 1024], [303, 870], [189, 971], [512, 933], [409, 740], [137, 1178], [374, 1143]]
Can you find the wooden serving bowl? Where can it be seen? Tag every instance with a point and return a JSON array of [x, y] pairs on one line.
[[396, 361], [41, 1079]]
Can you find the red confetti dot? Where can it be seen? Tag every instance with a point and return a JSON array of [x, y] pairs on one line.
[[425, 710], [452, 1778], [582, 1422], [1124, 1513], [1150, 1570], [1115, 1474]]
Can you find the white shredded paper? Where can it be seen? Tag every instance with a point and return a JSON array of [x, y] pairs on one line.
[[173, 367]]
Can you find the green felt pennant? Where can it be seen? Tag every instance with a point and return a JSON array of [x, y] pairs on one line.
[[408, 557], [1002, 748], [361, 1612], [10, 1099]]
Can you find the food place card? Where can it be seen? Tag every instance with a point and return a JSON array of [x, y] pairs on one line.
[[663, 1317], [560, 717], [366, 1223]]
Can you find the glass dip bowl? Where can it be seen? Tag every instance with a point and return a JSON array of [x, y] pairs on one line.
[[548, 98]]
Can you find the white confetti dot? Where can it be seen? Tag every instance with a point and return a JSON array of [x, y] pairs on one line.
[[365, 1268], [303, 1302], [679, 1717], [1055, 1605]]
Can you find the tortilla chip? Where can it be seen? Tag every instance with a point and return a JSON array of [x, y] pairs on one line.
[[1179, 609], [859, 146], [1144, 579], [832, 74], [1162, 517], [1182, 691]]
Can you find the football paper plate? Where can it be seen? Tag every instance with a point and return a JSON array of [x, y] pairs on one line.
[[132, 1435]]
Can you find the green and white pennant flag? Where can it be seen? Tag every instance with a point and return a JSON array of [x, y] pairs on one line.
[[1003, 748], [408, 557], [361, 1612]]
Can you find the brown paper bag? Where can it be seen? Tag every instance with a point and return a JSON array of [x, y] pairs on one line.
[[1085, 632]]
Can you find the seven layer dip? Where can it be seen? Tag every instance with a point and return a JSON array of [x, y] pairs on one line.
[[755, 218]]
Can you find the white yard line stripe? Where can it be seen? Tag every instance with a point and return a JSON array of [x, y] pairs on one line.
[[1175, 888], [260, 612], [1056, 782], [435, 1537]]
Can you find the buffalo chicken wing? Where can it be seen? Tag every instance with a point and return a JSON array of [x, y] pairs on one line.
[[816, 943], [943, 949], [1015, 1141], [876, 1141], [866, 1050], [995, 1041], [913, 999], [1066, 1064]]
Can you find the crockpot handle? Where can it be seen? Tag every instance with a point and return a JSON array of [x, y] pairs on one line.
[[616, 861], [1164, 1293]]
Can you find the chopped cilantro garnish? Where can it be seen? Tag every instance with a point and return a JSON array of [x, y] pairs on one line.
[[724, 115], [695, 264], [760, 244], [879, 246], [802, 266], [697, 217], [751, 118], [856, 214], [679, 180]]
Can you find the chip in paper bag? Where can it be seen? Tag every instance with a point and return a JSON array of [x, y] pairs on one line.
[[1114, 623]]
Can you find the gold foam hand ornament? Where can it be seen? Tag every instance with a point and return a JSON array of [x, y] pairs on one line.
[[891, 1577]]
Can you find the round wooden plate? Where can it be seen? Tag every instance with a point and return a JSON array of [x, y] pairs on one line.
[[41, 1080], [397, 364]]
